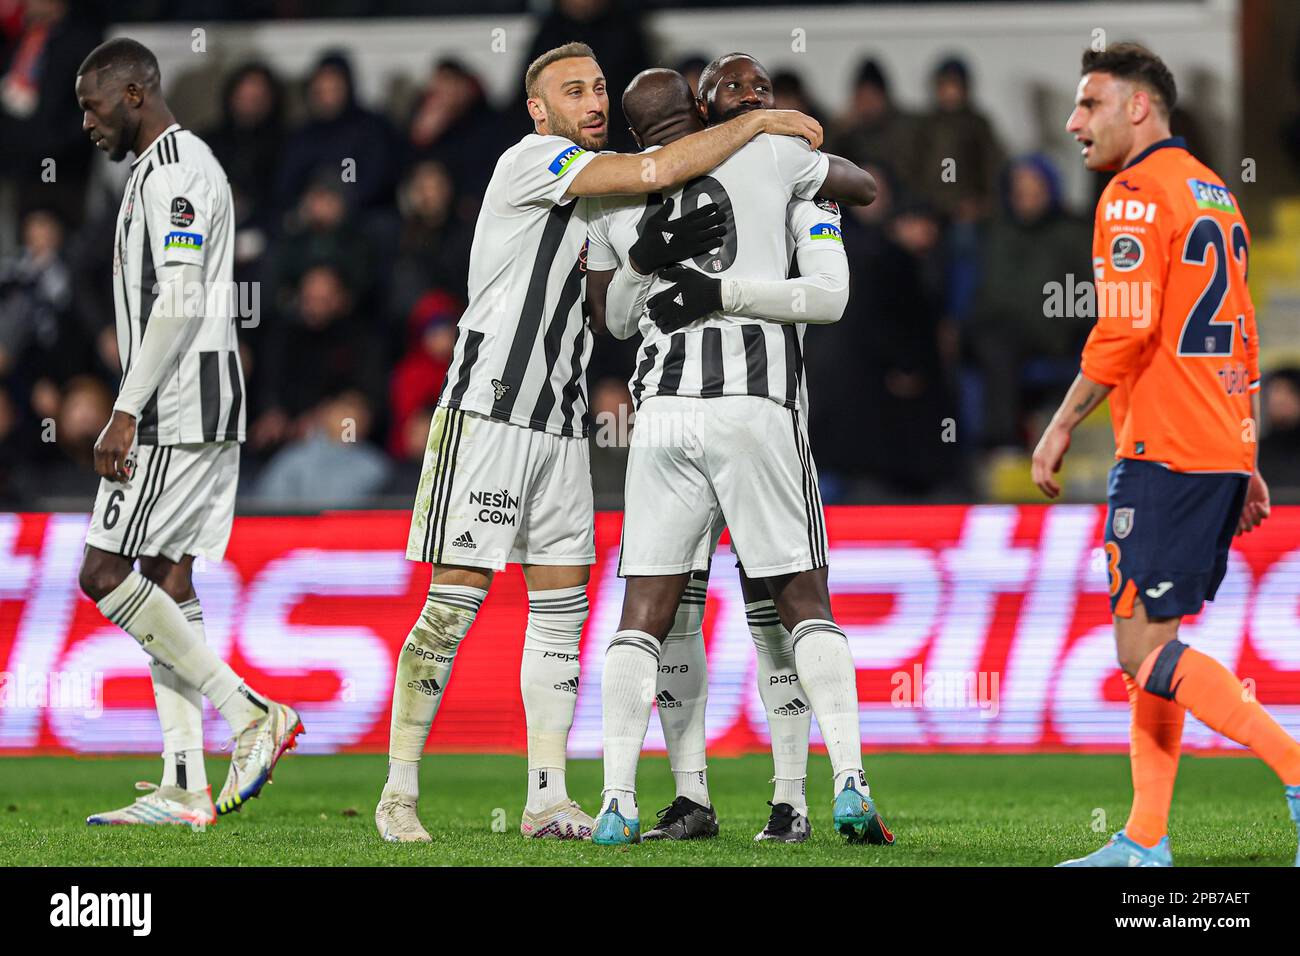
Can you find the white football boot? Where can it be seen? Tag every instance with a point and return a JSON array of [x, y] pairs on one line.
[[563, 821], [163, 806], [258, 747], [398, 821]]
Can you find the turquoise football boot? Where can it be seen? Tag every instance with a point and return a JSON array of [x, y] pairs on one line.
[[856, 817], [1293, 803], [1121, 851], [614, 829]]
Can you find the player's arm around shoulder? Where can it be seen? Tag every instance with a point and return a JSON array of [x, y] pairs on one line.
[[694, 155]]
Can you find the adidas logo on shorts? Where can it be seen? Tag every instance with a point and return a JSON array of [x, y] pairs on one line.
[[466, 540]]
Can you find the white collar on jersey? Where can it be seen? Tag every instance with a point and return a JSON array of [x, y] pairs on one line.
[[157, 139]]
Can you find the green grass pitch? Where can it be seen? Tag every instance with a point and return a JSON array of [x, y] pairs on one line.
[[946, 810]]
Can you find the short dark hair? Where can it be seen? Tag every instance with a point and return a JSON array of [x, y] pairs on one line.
[[132, 59], [567, 52], [1134, 62], [715, 66]]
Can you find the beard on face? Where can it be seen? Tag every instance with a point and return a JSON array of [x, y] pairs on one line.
[[739, 109], [560, 126]]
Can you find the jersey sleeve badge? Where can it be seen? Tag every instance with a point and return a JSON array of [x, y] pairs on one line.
[[182, 212]]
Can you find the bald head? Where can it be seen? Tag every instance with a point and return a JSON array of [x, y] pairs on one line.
[[656, 101]]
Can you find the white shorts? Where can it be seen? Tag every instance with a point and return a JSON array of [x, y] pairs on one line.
[[179, 500], [740, 459], [493, 493]]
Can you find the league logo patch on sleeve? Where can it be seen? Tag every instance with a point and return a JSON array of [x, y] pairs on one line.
[[1126, 252], [182, 211], [826, 230], [829, 205], [560, 164]]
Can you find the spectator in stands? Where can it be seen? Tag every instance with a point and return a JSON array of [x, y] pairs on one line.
[[333, 465], [1279, 446], [880, 388], [35, 296], [615, 33], [417, 379], [67, 469], [1016, 342], [404, 476], [611, 417], [959, 155], [321, 230], [691, 67], [39, 117], [248, 142], [789, 93], [433, 245], [454, 124], [341, 139], [319, 350], [875, 130]]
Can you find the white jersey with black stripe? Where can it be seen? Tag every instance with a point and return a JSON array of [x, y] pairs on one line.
[[177, 210], [522, 344], [723, 354]]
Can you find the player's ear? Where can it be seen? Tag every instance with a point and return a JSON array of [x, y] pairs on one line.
[[536, 110], [702, 110]]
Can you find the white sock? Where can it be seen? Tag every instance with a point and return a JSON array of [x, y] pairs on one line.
[[147, 613], [789, 715], [548, 680], [682, 692], [403, 778], [180, 713], [424, 667], [627, 693], [826, 672]]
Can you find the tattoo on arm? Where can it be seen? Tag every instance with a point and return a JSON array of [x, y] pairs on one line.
[[1087, 403]]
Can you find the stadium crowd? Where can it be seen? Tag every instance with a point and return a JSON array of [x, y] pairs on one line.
[[361, 282]]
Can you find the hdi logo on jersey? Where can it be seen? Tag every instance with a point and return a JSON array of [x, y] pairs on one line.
[[182, 240], [560, 164], [1211, 196], [826, 230]]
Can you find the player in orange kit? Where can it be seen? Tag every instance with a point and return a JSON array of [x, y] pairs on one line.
[[1175, 349]]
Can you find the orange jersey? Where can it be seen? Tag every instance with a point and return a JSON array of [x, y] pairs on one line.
[[1175, 332]]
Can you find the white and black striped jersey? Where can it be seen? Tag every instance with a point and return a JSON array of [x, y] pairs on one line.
[[177, 209], [723, 354], [523, 343]]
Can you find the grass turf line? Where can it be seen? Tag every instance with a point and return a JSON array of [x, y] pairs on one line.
[[946, 810]]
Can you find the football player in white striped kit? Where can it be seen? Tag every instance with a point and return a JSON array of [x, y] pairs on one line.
[[169, 456], [742, 456], [506, 476]]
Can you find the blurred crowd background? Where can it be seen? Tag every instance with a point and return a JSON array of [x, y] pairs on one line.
[[933, 387]]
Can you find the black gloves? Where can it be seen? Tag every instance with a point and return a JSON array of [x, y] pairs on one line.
[[691, 296], [664, 241]]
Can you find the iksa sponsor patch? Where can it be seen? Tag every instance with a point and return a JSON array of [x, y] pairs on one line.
[[183, 240], [826, 230]]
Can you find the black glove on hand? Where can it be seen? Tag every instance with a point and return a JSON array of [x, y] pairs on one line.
[[664, 241], [691, 296]]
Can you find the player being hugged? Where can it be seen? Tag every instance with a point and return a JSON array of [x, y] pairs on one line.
[[1176, 351], [506, 476], [719, 381], [169, 456]]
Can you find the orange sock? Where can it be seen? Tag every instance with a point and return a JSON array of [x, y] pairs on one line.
[[1211, 692], [1155, 742]]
